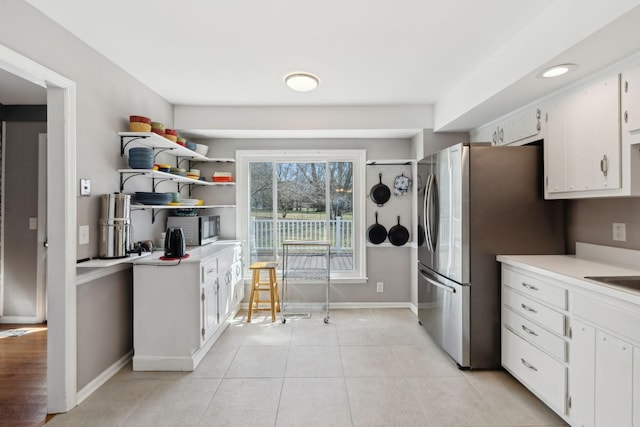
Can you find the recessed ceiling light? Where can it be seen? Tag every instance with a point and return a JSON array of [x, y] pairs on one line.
[[556, 70], [301, 82]]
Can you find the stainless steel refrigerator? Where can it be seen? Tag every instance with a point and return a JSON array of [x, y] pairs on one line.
[[478, 201]]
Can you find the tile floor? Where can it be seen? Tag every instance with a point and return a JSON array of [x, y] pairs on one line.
[[367, 367]]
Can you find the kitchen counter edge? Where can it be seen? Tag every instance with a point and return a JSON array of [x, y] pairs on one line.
[[572, 270], [196, 254]]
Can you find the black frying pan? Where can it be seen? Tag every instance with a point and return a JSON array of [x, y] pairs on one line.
[[376, 232], [380, 193], [398, 235]]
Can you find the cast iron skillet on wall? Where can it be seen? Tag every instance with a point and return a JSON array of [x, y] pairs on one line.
[[380, 193], [398, 235], [376, 232]]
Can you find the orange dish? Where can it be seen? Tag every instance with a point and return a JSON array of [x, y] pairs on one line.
[[222, 179]]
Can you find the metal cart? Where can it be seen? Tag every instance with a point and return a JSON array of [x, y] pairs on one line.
[[304, 260]]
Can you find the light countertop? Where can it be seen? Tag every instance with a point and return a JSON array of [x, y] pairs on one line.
[[196, 253], [572, 269]]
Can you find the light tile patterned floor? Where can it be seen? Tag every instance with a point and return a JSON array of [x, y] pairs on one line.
[[367, 367]]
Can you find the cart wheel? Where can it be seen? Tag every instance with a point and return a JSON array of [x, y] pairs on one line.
[[284, 320], [326, 320]]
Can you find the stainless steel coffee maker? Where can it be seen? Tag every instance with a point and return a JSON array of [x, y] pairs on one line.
[[115, 225]]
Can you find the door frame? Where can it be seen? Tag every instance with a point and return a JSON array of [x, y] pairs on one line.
[[41, 240], [61, 226]]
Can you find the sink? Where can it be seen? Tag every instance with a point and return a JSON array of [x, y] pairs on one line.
[[631, 282]]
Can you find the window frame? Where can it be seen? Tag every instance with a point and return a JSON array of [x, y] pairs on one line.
[[357, 157]]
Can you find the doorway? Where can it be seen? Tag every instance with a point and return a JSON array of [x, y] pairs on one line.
[[61, 223]]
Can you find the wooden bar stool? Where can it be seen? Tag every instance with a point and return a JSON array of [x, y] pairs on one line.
[[258, 285]]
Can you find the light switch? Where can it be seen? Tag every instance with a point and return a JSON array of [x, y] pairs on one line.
[[85, 187], [33, 223], [83, 235]]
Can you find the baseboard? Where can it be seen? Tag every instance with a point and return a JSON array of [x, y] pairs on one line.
[[98, 381], [20, 319], [346, 305]]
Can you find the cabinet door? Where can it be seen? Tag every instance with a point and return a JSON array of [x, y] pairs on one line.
[[581, 373], [555, 148], [583, 139], [631, 100], [210, 308], [604, 129], [224, 292], [614, 382]]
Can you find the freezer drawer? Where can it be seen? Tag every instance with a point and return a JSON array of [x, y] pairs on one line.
[[443, 310]]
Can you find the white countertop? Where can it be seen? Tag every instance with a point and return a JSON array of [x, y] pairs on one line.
[[572, 269], [196, 253]]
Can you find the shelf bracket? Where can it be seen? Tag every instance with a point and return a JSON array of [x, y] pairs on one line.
[[157, 151], [156, 181], [123, 145], [124, 180], [154, 214]]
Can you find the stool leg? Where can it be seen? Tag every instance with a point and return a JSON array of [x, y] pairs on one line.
[[252, 293], [272, 285], [277, 291]]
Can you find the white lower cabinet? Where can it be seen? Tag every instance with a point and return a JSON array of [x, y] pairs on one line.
[[180, 309], [582, 374], [533, 341], [590, 375], [613, 381]]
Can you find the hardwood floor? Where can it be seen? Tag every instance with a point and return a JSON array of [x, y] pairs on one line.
[[23, 375]]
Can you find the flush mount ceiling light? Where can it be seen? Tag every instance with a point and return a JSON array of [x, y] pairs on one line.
[[556, 70], [301, 82]]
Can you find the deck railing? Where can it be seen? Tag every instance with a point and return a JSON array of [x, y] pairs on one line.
[[340, 233]]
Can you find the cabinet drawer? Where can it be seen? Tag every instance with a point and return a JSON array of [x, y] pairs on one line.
[[535, 287], [614, 319], [535, 334], [209, 270], [535, 369], [533, 310]]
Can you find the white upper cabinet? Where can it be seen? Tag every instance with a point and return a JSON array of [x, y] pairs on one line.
[[583, 144]]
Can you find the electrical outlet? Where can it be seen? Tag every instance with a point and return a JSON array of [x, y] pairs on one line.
[[620, 231], [33, 223], [380, 287], [83, 235], [85, 187]]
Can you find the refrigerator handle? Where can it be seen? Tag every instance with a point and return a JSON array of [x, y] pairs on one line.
[[430, 204], [426, 210], [436, 283]]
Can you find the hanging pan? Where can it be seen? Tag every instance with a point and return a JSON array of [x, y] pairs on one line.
[[398, 235], [376, 232], [380, 193]]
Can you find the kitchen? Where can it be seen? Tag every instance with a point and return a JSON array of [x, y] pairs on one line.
[[591, 219]]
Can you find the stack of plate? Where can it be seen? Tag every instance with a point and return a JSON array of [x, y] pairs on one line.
[[141, 158], [153, 198]]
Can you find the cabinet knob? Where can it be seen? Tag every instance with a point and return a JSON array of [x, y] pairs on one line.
[[626, 117]]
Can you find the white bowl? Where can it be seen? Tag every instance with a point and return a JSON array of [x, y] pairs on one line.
[[202, 149]]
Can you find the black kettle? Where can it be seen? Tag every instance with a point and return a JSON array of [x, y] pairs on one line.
[[174, 246]]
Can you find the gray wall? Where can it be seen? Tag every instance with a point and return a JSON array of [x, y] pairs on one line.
[[105, 323], [106, 96], [590, 221], [21, 202], [397, 279]]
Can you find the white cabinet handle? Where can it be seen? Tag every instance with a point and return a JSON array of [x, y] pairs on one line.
[[528, 365], [529, 331], [528, 286], [526, 307]]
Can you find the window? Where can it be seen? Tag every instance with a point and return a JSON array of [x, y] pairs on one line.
[[303, 195]]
